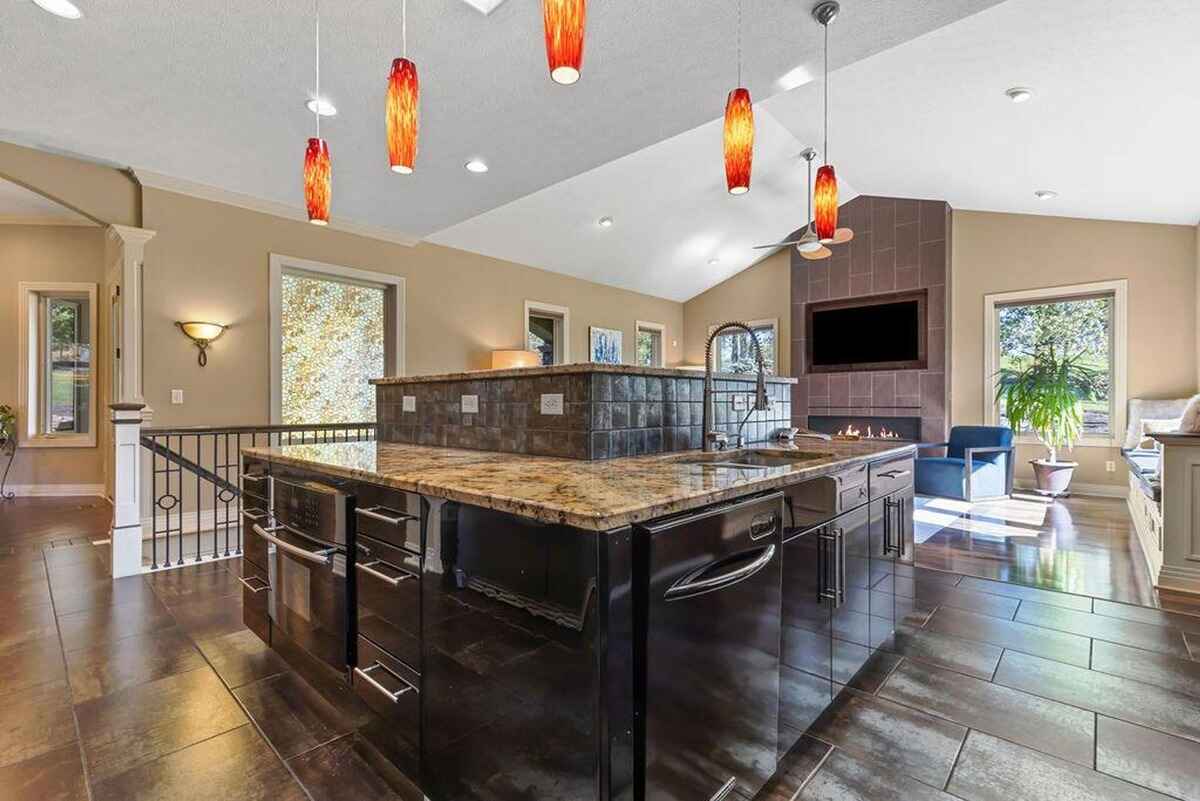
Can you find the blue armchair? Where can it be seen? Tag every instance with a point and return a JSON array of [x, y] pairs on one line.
[[978, 464]]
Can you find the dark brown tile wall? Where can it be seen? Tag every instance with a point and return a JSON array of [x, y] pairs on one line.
[[899, 244], [605, 415]]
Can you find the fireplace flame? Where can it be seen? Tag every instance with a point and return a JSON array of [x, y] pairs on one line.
[[853, 431]]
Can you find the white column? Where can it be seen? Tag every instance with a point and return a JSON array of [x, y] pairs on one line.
[[126, 532], [125, 273]]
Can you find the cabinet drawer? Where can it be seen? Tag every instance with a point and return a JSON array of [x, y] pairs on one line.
[[256, 598], [255, 482], [393, 516], [388, 584], [254, 547], [891, 476], [393, 691]]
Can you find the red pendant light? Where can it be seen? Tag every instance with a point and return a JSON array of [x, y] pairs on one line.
[[739, 141], [564, 21], [825, 204], [318, 181], [403, 110]]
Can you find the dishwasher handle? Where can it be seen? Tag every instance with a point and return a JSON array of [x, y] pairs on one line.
[[693, 584], [321, 557]]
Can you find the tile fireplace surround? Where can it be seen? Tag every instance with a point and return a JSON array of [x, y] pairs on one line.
[[898, 245]]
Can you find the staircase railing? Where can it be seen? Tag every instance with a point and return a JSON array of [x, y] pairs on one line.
[[195, 486]]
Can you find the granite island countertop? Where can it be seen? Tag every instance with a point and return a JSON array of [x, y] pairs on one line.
[[598, 496], [579, 368]]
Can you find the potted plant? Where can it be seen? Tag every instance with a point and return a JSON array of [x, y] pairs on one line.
[[8, 443], [1045, 392]]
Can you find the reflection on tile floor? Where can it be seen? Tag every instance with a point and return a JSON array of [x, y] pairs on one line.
[[988, 691]]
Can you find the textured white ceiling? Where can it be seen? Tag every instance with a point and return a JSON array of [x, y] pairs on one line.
[[18, 205], [213, 92]]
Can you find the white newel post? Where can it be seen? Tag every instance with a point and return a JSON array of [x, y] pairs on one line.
[[127, 486]]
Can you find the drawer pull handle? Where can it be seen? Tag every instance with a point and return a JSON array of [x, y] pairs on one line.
[[252, 477], [266, 585], [369, 569], [896, 474], [366, 676], [385, 515], [254, 515]]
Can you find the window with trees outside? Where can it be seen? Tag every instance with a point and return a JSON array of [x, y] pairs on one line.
[[733, 352], [1083, 324], [650, 344], [58, 382]]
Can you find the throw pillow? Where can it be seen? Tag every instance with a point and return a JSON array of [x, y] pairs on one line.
[[1156, 427], [1190, 422]]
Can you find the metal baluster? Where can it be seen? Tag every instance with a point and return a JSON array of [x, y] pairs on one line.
[[154, 506]]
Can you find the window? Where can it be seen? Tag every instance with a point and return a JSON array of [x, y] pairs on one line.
[[650, 344], [733, 352], [58, 382], [1087, 321], [548, 331], [333, 330]]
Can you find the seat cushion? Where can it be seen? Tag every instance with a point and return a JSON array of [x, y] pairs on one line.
[[942, 476]]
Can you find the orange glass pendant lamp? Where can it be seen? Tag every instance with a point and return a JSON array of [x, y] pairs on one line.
[[825, 204], [403, 115], [564, 22], [318, 181], [739, 141]]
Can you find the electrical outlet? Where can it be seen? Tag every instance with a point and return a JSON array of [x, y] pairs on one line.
[[409, 403], [1111, 467], [739, 403], [470, 404], [552, 403], [176, 397]]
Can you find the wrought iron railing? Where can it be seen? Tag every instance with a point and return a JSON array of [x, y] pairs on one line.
[[195, 485]]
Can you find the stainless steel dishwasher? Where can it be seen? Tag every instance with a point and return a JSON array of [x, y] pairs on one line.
[[710, 651]]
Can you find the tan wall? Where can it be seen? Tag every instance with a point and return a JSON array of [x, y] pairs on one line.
[[1007, 252], [210, 261], [102, 193], [48, 253], [761, 292]]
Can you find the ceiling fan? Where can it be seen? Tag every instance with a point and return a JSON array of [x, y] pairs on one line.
[[809, 245]]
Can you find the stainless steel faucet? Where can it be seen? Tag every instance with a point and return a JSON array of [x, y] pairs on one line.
[[717, 440]]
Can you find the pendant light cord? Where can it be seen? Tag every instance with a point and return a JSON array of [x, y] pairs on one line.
[[404, 26], [825, 146], [739, 43], [317, 15]]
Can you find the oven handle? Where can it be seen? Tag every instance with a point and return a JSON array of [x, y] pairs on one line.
[[319, 557], [397, 518], [691, 584], [368, 568], [366, 676]]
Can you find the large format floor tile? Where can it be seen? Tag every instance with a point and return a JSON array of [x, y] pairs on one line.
[[31, 662], [956, 653], [1117, 697], [1168, 672], [30, 623], [139, 724], [54, 776], [1081, 603], [1148, 758], [35, 720], [113, 666], [913, 742], [349, 768], [795, 769], [990, 769], [846, 778], [104, 591], [235, 766], [1058, 645], [203, 620], [105, 624], [939, 594], [1143, 614], [293, 716], [1055, 728], [241, 657], [1128, 632]]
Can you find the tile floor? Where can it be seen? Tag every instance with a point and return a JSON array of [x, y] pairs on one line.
[[150, 688]]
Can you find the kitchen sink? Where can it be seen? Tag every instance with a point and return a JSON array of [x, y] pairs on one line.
[[752, 459]]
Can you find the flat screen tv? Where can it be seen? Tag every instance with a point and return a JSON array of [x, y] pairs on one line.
[[884, 332]]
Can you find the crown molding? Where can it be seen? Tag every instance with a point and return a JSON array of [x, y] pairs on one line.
[[181, 186], [80, 222]]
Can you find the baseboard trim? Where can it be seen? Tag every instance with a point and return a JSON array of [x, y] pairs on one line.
[[1090, 490], [56, 490], [1179, 579]]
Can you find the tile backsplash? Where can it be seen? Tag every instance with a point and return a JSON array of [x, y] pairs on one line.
[[604, 415]]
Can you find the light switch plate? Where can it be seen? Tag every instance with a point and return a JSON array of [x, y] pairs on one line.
[[740, 403], [470, 404], [409, 403], [176, 396], [552, 403]]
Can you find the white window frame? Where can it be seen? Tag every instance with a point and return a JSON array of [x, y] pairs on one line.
[[561, 313], [1119, 289], [29, 364], [643, 325], [394, 356], [771, 322]]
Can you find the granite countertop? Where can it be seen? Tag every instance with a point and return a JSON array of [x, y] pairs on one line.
[[598, 495], [572, 369]]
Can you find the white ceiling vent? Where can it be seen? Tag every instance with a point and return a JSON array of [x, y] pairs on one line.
[[484, 6]]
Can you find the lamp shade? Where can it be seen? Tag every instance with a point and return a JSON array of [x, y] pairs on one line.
[[825, 204], [739, 141], [318, 180], [564, 22], [507, 359], [403, 115], [204, 332]]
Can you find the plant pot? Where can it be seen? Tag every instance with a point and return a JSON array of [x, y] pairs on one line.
[[1053, 478]]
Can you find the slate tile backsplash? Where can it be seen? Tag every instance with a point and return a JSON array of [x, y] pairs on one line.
[[604, 415]]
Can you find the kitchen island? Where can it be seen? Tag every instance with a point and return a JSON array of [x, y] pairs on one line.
[[531, 627]]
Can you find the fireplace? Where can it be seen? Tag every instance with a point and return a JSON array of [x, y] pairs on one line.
[[867, 426]]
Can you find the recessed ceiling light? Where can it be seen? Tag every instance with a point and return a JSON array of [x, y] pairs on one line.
[[476, 165], [322, 107], [605, 222], [60, 8], [1019, 94], [714, 261], [1045, 194], [484, 7]]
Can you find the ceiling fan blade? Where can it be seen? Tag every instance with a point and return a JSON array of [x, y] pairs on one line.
[[816, 255], [842, 235], [779, 244]]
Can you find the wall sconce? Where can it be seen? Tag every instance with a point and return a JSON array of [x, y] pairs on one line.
[[203, 334]]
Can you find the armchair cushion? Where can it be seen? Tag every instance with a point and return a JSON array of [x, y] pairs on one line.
[[991, 470], [963, 437]]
